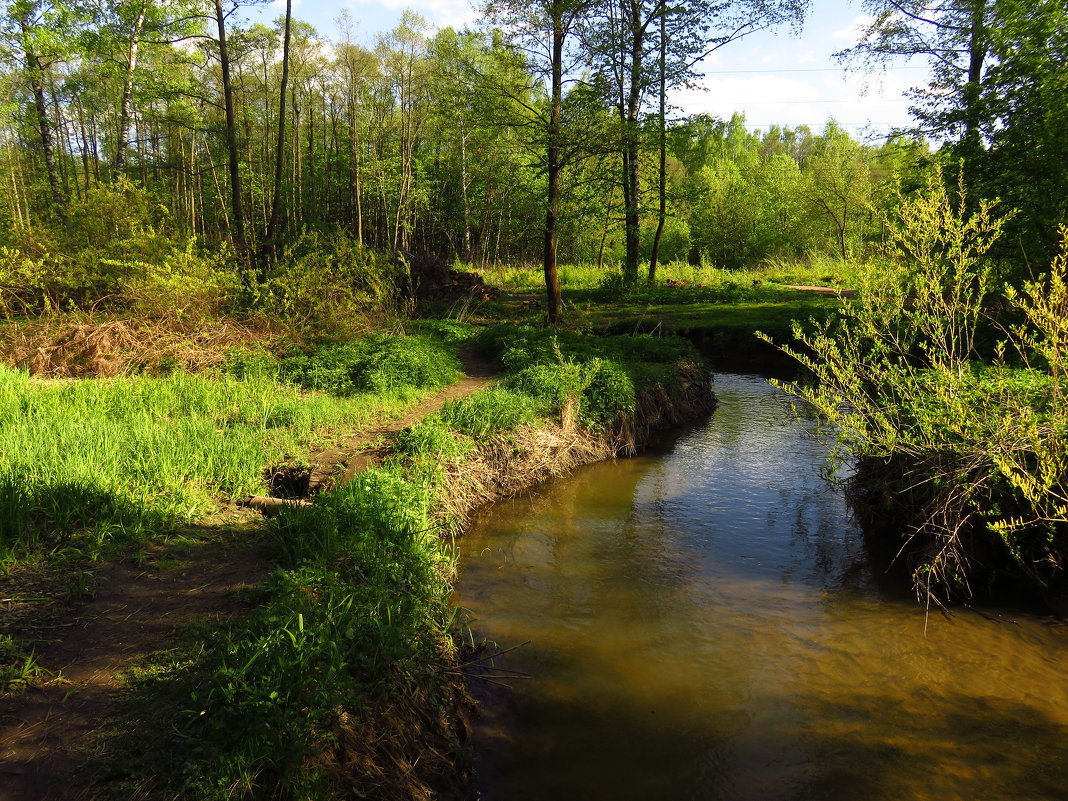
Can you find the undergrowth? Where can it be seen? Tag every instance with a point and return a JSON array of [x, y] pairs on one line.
[[963, 442], [88, 463], [345, 671], [685, 278]]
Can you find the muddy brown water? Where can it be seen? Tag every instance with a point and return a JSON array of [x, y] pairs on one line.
[[704, 623]]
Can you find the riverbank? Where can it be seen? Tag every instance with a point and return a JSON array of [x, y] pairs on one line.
[[338, 669], [347, 678]]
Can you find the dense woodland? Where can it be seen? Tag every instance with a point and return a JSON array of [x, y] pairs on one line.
[[546, 128]]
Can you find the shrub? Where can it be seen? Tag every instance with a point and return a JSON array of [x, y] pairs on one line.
[[329, 282], [978, 453], [375, 364], [491, 411]]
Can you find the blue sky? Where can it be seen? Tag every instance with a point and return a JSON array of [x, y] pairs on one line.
[[772, 76]]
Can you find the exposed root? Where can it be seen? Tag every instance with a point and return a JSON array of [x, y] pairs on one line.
[[507, 465]]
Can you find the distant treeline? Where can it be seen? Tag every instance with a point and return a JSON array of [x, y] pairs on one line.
[[441, 141]]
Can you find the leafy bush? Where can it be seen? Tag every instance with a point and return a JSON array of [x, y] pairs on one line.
[[978, 453], [376, 364], [598, 377], [184, 281], [115, 252], [322, 282], [432, 439]]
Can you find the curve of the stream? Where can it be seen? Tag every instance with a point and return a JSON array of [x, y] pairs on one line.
[[705, 623]]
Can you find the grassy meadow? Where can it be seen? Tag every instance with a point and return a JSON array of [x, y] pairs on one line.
[[683, 297], [85, 463]]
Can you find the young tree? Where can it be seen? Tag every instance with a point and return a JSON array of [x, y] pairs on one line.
[[544, 30], [280, 144], [624, 37], [233, 157], [40, 33], [838, 184]]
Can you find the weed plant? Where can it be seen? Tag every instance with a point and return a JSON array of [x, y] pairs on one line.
[[85, 463], [299, 700], [971, 455], [376, 364]]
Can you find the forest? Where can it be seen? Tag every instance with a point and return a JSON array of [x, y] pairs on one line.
[[250, 138], [280, 305]]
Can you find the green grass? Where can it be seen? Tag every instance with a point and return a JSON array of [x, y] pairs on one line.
[[87, 463], [355, 623], [353, 619], [816, 270], [699, 297]]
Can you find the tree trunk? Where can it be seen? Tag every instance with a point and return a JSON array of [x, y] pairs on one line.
[[44, 124], [632, 213], [554, 301], [279, 153], [238, 214], [662, 185], [122, 139]]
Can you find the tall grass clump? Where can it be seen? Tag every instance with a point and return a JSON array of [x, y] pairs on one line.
[[107, 460], [969, 451], [378, 364], [117, 458], [600, 381], [309, 697]]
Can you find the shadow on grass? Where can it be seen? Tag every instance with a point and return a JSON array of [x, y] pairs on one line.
[[56, 514]]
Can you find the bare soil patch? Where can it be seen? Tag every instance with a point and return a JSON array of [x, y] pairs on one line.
[[47, 732], [365, 448], [825, 290]]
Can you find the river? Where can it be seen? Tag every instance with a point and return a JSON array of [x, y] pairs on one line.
[[704, 623]]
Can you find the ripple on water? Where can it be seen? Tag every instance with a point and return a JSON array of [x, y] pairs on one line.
[[705, 625]]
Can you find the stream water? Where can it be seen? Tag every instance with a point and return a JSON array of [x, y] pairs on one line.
[[704, 623]]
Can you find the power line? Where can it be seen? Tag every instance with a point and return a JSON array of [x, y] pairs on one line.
[[752, 102], [812, 69], [823, 122]]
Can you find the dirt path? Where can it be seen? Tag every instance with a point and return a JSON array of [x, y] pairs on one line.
[[48, 732], [824, 290], [364, 448]]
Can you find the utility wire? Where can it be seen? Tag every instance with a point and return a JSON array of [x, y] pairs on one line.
[[812, 69]]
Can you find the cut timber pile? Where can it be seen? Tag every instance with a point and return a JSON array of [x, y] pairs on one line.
[[429, 278]]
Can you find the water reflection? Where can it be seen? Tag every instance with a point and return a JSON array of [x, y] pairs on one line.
[[704, 625]]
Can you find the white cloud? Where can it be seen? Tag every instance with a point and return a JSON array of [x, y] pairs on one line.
[[440, 13], [855, 30], [862, 105]]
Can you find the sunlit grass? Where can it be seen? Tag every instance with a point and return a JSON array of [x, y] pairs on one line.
[[351, 641], [813, 270], [90, 462]]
